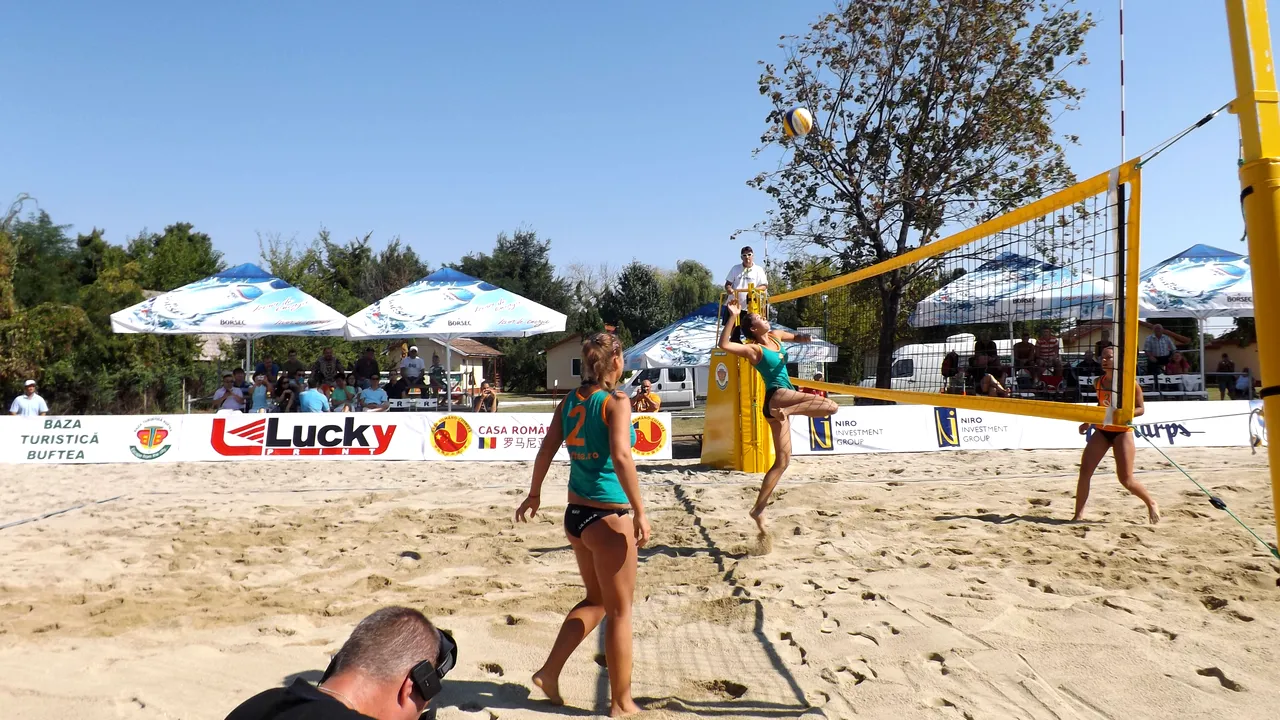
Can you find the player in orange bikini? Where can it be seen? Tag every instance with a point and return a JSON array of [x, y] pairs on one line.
[[1116, 437]]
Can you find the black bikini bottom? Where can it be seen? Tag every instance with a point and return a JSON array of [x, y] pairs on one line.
[[579, 517]]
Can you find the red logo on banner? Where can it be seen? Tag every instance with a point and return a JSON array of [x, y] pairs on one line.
[[264, 438], [451, 435], [651, 435]]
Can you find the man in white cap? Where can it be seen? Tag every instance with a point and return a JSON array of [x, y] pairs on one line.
[[413, 367], [29, 404]]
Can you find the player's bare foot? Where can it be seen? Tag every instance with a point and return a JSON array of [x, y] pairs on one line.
[[757, 514], [549, 686], [1077, 518], [626, 707], [1153, 513]]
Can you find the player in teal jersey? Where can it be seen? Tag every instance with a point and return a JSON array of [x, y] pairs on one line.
[[781, 399], [594, 424]]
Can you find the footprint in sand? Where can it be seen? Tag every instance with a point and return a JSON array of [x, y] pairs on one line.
[[942, 662], [492, 669], [1153, 630], [1221, 677], [725, 688]]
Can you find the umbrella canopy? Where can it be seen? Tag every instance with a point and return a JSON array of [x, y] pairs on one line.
[[1013, 287], [448, 304], [1201, 282], [690, 340], [244, 301]]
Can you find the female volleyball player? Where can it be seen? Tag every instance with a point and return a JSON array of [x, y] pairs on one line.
[[1117, 437], [603, 488], [781, 399]]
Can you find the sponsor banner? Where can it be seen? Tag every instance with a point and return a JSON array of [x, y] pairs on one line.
[[320, 436], [90, 439], [518, 436], [310, 436], [915, 428]]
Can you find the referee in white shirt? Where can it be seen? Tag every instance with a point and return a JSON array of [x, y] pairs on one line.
[[742, 275]]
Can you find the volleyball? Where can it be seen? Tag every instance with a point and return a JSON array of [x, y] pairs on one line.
[[797, 122]]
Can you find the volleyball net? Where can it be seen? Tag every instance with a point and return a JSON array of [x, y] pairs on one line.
[[1006, 316]]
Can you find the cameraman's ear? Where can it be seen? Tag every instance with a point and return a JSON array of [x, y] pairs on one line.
[[405, 696]]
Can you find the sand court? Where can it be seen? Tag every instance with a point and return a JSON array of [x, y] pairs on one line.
[[939, 585]]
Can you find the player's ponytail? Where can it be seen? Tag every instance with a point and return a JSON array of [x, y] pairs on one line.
[[598, 352]]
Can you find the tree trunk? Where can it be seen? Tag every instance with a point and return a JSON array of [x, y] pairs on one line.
[[890, 301]]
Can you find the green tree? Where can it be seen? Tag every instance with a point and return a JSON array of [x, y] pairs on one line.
[[638, 301], [45, 260], [690, 287], [176, 257], [926, 113]]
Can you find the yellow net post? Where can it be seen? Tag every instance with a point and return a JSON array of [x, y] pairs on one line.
[[735, 435], [1257, 106]]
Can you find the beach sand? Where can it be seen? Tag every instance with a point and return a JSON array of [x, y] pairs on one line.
[[942, 585]]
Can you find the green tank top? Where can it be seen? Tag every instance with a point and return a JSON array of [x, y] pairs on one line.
[[586, 436], [773, 368]]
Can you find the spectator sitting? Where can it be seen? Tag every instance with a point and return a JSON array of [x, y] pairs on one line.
[[976, 368], [1048, 354], [286, 393], [436, 373], [1089, 366], [343, 397], [228, 397], [1105, 342], [1226, 369], [817, 377], [374, 398], [644, 400], [986, 346], [1024, 354], [366, 367], [267, 368], [413, 368], [29, 404], [328, 368], [260, 394], [1177, 365], [397, 387], [293, 364], [1244, 385], [389, 669], [990, 386], [313, 400], [239, 380], [1159, 349], [487, 400]]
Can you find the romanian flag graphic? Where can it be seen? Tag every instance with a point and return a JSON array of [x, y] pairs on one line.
[[487, 443]]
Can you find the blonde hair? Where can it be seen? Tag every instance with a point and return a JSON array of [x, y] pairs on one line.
[[598, 351]]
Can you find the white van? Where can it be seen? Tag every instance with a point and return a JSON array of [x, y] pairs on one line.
[[919, 366], [674, 386]]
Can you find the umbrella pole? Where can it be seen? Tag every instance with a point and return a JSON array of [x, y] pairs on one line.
[[248, 357], [1203, 387], [448, 374]]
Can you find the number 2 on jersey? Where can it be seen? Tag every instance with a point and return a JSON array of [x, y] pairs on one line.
[[578, 412]]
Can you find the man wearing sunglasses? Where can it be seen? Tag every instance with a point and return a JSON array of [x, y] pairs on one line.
[[389, 669], [742, 276]]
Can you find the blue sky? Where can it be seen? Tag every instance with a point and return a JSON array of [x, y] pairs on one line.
[[618, 130]]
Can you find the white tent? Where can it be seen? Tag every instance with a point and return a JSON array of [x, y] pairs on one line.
[[1013, 287], [688, 342], [244, 301], [448, 305], [1201, 282]]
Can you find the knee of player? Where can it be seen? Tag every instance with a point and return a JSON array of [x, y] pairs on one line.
[[619, 610], [782, 458]]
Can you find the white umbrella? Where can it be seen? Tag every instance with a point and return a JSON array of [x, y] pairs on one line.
[[244, 301], [447, 305], [1012, 287], [1201, 282], [690, 340]]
